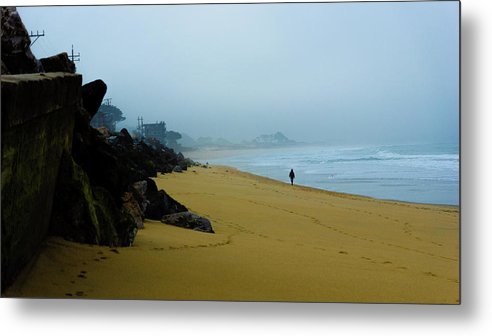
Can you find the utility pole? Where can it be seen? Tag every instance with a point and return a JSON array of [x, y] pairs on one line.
[[74, 57], [140, 126], [37, 35]]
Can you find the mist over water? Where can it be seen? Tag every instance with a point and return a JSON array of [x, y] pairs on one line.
[[414, 173], [334, 73], [343, 73]]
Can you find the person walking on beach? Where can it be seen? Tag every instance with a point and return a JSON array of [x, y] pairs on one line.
[[292, 176]]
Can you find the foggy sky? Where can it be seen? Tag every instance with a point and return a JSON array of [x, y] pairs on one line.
[[345, 73]]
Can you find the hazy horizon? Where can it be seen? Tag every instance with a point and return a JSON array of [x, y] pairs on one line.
[[343, 73]]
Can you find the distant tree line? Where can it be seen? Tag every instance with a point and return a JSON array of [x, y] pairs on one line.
[[107, 116]]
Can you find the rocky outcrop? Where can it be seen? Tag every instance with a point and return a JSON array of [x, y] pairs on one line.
[[58, 63], [89, 214], [37, 127], [60, 175], [92, 96], [160, 203], [17, 57], [188, 220], [133, 209]]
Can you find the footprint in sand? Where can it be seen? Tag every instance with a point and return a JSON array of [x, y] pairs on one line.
[[342, 252], [402, 267], [386, 262], [115, 251], [430, 274], [78, 293], [82, 274]]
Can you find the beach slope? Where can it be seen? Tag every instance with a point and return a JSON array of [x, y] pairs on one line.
[[273, 242]]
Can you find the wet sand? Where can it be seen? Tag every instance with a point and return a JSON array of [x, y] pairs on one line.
[[273, 242]]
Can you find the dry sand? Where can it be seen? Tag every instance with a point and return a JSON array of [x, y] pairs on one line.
[[273, 242]]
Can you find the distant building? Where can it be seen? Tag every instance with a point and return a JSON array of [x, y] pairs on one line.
[[154, 131]]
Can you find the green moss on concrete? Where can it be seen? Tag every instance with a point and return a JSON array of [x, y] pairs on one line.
[[37, 126]]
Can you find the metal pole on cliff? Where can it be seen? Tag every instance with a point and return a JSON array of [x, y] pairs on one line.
[[37, 35], [74, 57]]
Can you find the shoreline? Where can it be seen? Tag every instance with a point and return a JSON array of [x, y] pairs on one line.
[[273, 242], [383, 183], [331, 192]]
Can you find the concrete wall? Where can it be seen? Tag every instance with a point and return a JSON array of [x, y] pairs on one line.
[[38, 113]]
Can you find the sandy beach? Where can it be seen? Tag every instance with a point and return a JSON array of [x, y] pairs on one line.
[[273, 242]]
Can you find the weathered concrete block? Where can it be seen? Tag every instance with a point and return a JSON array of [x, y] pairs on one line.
[[37, 126]]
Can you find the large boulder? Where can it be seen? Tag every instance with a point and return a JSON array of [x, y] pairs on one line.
[[188, 220], [88, 214], [139, 192], [17, 57], [58, 63], [92, 96], [132, 208], [160, 203]]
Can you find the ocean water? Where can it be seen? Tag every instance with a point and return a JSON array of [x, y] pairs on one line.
[[413, 173]]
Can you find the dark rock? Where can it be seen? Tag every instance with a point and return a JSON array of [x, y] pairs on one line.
[[112, 218], [92, 96], [139, 191], [88, 214], [132, 208], [17, 57], [160, 203], [58, 63], [74, 215], [140, 187], [106, 167], [124, 140], [177, 169], [188, 220]]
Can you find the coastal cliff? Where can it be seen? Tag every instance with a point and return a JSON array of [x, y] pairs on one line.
[[60, 176]]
